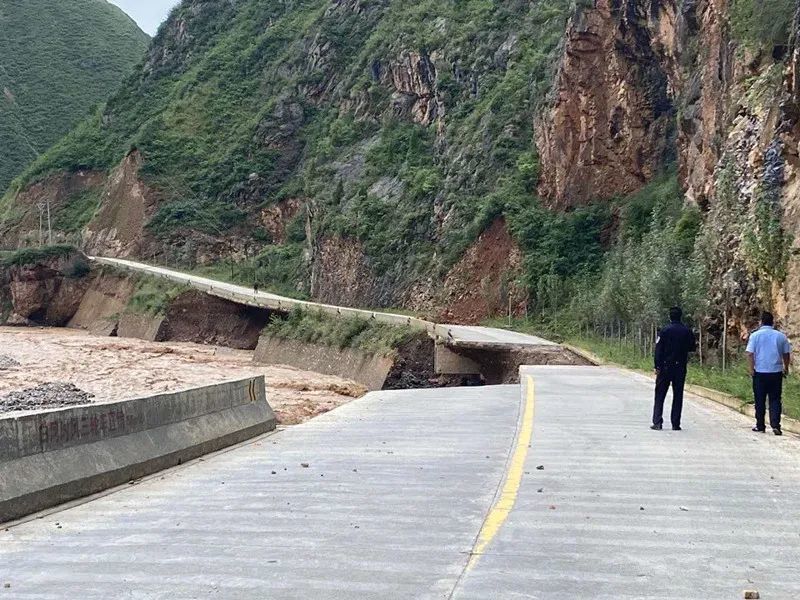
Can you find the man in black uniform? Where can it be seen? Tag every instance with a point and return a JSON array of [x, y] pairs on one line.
[[673, 346]]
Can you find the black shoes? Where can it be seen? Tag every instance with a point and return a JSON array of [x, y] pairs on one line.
[[775, 430], [655, 427], [676, 428]]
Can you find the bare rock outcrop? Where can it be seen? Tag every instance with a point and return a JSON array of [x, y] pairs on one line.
[[341, 274], [413, 77], [609, 128], [48, 291]]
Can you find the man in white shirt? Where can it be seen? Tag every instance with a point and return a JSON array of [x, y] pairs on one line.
[[769, 355]]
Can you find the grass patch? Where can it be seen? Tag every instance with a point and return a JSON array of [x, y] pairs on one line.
[[31, 256], [73, 217], [154, 296], [319, 328]]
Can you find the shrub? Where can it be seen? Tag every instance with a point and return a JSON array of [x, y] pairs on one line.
[[31, 256], [315, 327]]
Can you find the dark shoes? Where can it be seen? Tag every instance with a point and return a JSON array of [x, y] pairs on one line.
[[676, 428], [775, 430], [655, 427]]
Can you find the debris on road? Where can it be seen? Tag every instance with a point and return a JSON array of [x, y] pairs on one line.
[[46, 395], [751, 595]]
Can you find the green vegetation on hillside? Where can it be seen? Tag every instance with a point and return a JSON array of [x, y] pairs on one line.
[[153, 296], [763, 22], [58, 60], [31, 256], [266, 101], [314, 327]]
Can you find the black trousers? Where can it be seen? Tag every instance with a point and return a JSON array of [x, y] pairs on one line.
[[674, 376], [768, 385]]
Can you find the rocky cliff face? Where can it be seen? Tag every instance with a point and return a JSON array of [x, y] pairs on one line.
[[611, 126], [46, 291], [643, 83]]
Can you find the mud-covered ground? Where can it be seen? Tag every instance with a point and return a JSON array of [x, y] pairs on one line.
[[121, 368]]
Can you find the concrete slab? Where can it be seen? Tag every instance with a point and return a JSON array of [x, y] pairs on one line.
[[488, 337], [396, 487], [620, 511]]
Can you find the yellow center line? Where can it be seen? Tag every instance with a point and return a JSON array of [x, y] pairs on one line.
[[508, 496]]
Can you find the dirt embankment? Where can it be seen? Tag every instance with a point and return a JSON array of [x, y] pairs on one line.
[[484, 283], [197, 317], [117, 369]]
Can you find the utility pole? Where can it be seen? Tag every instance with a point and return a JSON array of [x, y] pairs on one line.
[[40, 206], [49, 227], [725, 340]]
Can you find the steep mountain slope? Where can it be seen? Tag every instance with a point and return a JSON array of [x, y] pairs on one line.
[[57, 61], [368, 138], [597, 160]]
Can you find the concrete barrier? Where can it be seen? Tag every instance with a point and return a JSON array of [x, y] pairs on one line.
[[50, 457], [370, 370], [143, 327]]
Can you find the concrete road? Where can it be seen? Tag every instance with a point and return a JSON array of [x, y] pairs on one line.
[[487, 337], [620, 511], [437, 494], [396, 488]]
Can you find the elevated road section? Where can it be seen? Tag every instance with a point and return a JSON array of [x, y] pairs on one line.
[[452, 335]]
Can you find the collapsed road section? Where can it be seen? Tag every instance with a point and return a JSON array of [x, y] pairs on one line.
[[488, 354]]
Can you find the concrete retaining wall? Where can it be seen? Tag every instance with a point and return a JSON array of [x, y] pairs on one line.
[[51, 457], [142, 327], [370, 370]]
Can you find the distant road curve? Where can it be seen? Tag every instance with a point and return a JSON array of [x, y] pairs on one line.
[[453, 335]]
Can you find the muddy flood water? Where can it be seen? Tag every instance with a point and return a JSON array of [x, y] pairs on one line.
[[120, 368]]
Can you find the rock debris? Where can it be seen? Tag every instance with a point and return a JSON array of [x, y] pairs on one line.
[[46, 395]]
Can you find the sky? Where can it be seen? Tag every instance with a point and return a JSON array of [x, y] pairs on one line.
[[149, 14]]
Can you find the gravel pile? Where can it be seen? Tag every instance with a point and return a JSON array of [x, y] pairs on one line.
[[6, 362], [46, 395]]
